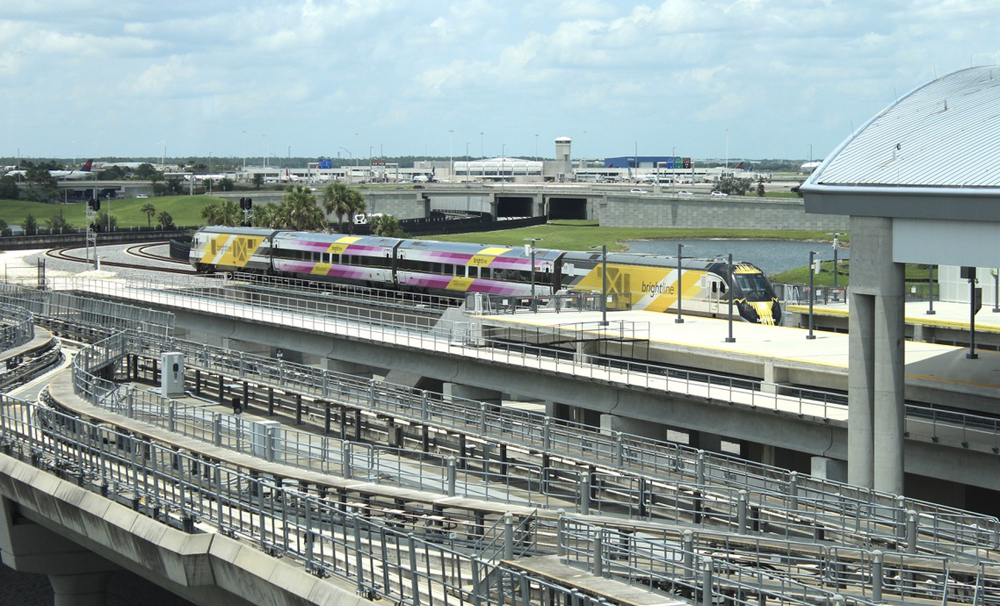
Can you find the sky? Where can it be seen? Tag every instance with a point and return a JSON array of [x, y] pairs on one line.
[[750, 79]]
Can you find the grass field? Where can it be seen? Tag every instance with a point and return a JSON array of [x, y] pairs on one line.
[[581, 235], [185, 210]]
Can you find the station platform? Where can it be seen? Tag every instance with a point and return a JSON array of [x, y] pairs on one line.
[[936, 373]]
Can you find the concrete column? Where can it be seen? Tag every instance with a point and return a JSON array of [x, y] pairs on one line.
[[861, 391], [875, 374], [830, 469], [478, 394], [709, 442], [635, 427], [773, 376], [890, 406], [80, 589], [347, 368]]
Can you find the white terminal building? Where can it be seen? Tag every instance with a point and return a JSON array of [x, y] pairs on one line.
[[502, 169]]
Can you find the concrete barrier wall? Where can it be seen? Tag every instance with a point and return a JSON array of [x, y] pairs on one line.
[[733, 212]]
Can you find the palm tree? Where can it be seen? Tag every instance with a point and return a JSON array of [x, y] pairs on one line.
[[386, 226], [150, 211], [211, 213], [299, 209], [335, 201], [230, 213]]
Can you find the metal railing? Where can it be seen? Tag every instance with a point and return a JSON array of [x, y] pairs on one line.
[[326, 537], [17, 326], [689, 486]]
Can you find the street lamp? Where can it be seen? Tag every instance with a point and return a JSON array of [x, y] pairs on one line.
[[530, 249], [451, 154], [482, 154], [536, 146], [680, 294], [467, 171], [812, 294], [503, 160], [604, 283], [732, 281]]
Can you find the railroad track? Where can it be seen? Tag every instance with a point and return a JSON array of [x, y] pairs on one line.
[[172, 266]]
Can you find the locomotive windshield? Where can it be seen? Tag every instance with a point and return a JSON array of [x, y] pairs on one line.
[[754, 287]]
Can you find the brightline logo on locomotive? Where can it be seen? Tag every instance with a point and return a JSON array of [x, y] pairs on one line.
[[635, 281]]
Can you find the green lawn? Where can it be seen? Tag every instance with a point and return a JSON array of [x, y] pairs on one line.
[[185, 210], [913, 274], [581, 235]]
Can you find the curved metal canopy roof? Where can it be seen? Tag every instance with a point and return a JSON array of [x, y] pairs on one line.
[[944, 134]]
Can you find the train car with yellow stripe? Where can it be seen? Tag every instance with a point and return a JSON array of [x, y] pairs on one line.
[[644, 282]]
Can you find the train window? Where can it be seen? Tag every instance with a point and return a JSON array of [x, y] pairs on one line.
[[715, 287]]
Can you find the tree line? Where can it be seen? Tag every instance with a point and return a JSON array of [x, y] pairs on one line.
[[302, 210]]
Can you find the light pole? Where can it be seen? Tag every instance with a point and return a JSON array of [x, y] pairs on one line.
[[680, 293], [973, 308], [732, 281], [930, 292], [531, 252], [604, 283], [812, 295], [836, 268], [244, 150], [209, 173], [503, 161], [467, 172], [451, 154], [481, 152], [356, 145], [536, 146], [727, 150]]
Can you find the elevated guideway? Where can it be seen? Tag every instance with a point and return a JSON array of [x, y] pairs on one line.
[[771, 389]]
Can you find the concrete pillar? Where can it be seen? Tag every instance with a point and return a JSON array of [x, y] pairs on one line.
[[80, 589], [635, 427], [709, 442], [773, 376], [875, 373], [830, 469], [469, 392], [347, 368], [890, 402], [861, 391], [584, 351], [78, 576]]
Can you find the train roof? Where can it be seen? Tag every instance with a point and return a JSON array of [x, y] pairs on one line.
[[243, 231], [325, 238]]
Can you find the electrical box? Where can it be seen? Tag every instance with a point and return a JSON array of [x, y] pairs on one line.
[[172, 374]]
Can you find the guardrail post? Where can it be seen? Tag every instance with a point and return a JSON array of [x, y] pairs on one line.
[[171, 417], [298, 409], [911, 531], [901, 517], [706, 582], [130, 403], [414, 579], [877, 577], [508, 536], [345, 460], [270, 401], [701, 468], [619, 450], [424, 413], [547, 434], [687, 554], [793, 490], [598, 568], [452, 476], [358, 564], [838, 600], [585, 493], [741, 513], [561, 533], [372, 392], [217, 429], [482, 418]]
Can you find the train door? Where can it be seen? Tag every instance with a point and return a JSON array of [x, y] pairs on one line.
[[717, 296]]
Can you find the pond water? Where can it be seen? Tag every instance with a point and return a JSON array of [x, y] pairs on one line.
[[772, 256]]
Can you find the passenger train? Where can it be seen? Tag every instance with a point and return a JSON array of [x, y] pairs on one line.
[[635, 281]]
